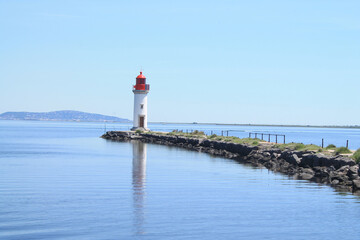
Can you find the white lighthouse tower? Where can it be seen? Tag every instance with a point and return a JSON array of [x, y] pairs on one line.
[[140, 90]]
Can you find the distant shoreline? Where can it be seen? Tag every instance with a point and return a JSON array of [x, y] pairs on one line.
[[220, 124], [39, 120], [62, 115], [264, 125]]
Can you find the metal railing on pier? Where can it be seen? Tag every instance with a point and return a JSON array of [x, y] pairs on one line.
[[256, 134]]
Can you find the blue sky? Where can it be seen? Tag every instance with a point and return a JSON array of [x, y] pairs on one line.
[[275, 62]]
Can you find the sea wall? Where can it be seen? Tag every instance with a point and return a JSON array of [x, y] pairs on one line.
[[338, 171]]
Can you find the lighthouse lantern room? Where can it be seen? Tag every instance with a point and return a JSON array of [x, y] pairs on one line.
[[140, 90]]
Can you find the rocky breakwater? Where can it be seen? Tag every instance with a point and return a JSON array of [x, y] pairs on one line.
[[338, 171]]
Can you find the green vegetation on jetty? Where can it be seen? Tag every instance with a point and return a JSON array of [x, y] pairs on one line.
[[342, 150], [299, 147], [331, 149], [202, 135], [331, 146], [356, 156]]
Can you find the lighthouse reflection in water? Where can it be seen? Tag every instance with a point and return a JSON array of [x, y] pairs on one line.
[[138, 183]]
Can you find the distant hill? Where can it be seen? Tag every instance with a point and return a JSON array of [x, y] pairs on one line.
[[60, 116]]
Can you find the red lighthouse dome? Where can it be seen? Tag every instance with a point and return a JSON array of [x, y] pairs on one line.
[[140, 76], [141, 83]]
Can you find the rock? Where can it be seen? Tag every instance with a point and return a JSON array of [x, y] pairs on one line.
[[340, 176], [348, 183], [308, 171], [354, 169], [354, 177], [356, 184], [291, 157], [291, 170], [266, 154], [353, 172], [297, 159], [340, 161], [322, 173], [343, 170], [321, 160], [307, 160], [275, 155], [306, 176], [205, 143], [335, 182]]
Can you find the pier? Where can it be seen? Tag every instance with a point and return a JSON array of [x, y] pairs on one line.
[[338, 171]]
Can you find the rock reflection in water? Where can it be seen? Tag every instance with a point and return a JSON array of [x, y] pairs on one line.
[[138, 183]]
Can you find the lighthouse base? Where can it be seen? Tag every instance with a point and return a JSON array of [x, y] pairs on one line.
[[140, 128]]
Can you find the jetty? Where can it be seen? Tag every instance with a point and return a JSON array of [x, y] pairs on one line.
[[341, 172]]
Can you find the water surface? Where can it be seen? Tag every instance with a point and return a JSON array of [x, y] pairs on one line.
[[60, 181]]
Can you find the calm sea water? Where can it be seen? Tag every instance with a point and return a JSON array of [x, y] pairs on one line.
[[61, 181]]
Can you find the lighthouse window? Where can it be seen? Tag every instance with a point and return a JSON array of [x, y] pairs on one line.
[[141, 106]]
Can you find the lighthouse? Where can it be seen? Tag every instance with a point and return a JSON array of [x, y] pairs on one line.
[[140, 90]]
